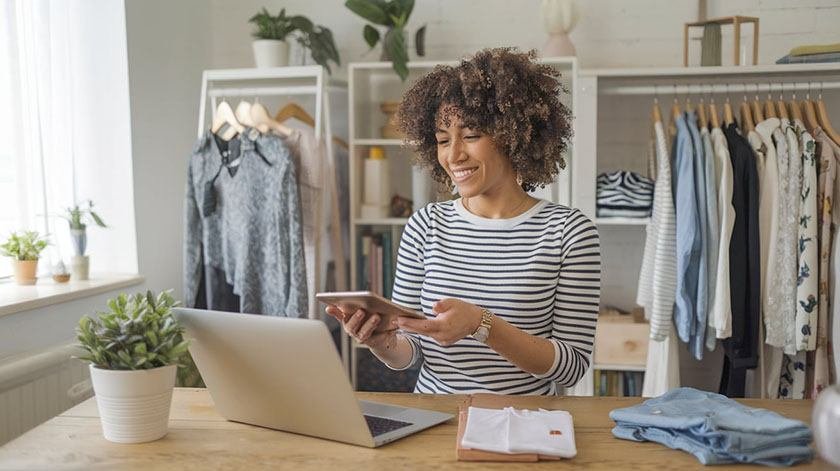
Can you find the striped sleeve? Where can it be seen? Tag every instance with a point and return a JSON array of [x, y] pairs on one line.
[[576, 301], [408, 279]]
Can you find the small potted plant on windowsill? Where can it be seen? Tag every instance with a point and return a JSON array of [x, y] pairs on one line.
[[134, 349], [25, 249], [79, 217]]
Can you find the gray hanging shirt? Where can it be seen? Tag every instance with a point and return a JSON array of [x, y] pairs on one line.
[[243, 239]]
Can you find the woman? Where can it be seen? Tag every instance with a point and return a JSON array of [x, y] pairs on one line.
[[509, 284]]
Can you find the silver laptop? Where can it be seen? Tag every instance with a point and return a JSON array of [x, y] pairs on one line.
[[286, 374]]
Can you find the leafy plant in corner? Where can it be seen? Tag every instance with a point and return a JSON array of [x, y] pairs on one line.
[[317, 38], [137, 333], [26, 245], [394, 15], [78, 216]]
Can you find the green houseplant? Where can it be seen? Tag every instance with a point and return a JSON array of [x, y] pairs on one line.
[[393, 14], [79, 217], [134, 350], [271, 48], [25, 249]]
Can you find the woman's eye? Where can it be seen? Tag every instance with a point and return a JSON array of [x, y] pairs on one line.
[[472, 136], [443, 142]]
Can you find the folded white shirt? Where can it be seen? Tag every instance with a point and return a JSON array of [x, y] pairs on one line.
[[512, 431]]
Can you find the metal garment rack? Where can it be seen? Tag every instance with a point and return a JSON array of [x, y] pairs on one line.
[[308, 80]]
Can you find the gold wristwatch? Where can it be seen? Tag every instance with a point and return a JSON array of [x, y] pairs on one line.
[[483, 331]]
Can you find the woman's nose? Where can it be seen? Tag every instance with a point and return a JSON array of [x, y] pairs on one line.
[[456, 151]]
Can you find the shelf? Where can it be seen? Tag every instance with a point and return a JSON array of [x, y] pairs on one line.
[[566, 61], [662, 72], [378, 142], [610, 367], [381, 222], [616, 221]]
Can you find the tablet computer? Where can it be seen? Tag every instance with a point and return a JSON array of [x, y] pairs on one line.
[[351, 301]]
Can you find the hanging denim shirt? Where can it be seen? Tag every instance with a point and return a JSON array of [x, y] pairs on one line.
[[688, 231], [243, 241], [696, 341]]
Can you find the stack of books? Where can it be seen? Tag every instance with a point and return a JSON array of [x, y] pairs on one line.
[[618, 383], [376, 264]]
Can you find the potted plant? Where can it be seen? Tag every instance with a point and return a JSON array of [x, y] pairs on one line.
[[25, 249], [134, 350], [393, 14], [271, 48], [79, 217]]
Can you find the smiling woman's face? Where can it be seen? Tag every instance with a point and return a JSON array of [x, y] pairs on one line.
[[471, 159]]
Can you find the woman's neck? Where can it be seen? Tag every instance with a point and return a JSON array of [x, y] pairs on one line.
[[504, 203]]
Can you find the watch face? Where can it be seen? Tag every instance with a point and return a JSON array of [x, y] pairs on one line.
[[481, 334]]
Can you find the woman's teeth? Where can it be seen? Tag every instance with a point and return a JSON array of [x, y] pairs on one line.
[[463, 174]]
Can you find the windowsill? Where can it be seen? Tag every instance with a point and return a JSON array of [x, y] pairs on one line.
[[15, 298]]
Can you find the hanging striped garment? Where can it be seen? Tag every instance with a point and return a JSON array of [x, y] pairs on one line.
[[624, 194], [539, 271]]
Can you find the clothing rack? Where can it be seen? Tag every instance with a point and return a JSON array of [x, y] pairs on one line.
[[287, 81], [739, 87]]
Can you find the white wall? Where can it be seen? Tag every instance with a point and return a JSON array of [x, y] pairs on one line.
[[611, 33], [168, 47]]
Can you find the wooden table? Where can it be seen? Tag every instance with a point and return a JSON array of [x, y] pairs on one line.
[[199, 439]]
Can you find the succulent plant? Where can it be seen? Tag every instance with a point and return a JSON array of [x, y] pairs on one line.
[[138, 332]]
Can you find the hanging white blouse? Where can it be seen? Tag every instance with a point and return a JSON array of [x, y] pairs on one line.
[[720, 317], [807, 283]]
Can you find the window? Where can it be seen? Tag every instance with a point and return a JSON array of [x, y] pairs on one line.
[[65, 134]]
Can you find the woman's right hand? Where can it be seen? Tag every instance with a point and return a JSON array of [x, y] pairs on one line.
[[362, 326]]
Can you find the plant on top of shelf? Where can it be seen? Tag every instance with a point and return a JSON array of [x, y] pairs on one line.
[[271, 48], [79, 216], [25, 249], [134, 350], [393, 14]]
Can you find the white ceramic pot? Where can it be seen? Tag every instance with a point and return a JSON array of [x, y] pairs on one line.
[[133, 405], [79, 267], [826, 423], [559, 19], [271, 53]]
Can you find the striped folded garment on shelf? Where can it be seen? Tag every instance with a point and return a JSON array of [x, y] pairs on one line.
[[623, 194]]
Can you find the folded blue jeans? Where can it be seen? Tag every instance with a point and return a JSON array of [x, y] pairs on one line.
[[715, 429]]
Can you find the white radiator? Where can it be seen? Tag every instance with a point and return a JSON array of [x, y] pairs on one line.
[[38, 386]]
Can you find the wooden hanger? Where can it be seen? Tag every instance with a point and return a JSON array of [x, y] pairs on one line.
[[655, 113], [713, 114], [728, 115], [262, 120], [225, 116], [795, 110], [746, 117], [825, 123], [810, 116], [701, 115], [769, 107], [243, 113], [293, 110], [757, 114], [780, 105]]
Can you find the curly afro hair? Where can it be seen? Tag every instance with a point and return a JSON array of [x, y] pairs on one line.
[[499, 92]]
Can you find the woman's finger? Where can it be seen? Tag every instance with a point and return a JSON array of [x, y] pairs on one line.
[[335, 312], [352, 323], [368, 327]]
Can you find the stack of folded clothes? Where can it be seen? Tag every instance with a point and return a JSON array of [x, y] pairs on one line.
[[623, 194], [812, 54], [715, 429]]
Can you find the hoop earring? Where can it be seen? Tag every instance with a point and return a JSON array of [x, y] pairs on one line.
[[519, 179]]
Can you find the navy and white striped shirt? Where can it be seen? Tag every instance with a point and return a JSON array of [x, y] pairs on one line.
[[540, 271]]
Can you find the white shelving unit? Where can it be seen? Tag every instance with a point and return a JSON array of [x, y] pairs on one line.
[[371, 83], [612, 128]]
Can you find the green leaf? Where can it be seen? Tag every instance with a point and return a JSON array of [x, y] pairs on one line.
[[406, 7], [98, 220], [395, 46], [371, 35], [372, 11]]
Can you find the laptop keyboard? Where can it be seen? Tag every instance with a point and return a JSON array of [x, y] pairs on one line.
[[381, 425]]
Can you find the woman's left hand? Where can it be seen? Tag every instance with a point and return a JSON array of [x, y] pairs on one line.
[[455, 320]]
